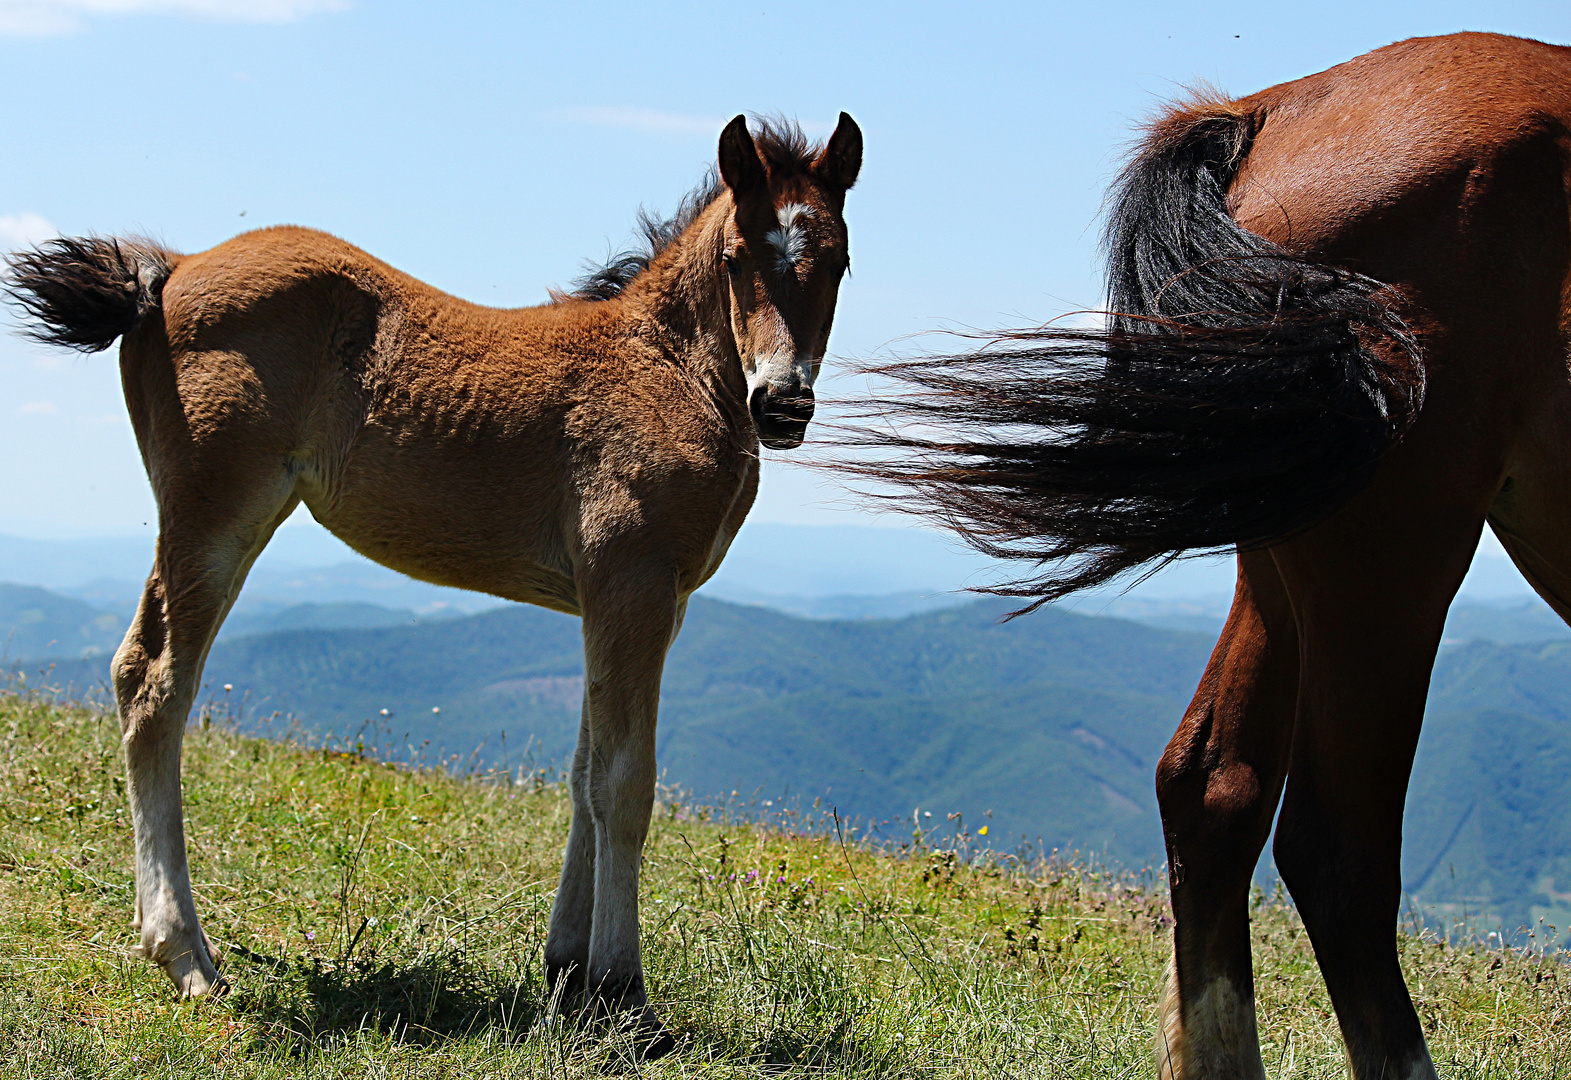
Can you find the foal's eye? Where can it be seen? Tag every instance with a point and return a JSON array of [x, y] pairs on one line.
[[731, 264]]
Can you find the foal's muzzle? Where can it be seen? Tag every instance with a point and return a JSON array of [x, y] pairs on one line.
[[781, 418]]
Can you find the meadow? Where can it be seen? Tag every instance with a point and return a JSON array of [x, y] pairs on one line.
[[382, 920]]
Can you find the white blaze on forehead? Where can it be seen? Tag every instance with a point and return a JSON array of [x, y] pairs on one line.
[[790, 239]]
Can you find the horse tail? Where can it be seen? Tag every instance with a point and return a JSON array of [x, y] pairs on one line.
[[85, 292], [1234, 394]]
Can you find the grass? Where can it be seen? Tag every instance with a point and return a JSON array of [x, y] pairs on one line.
[[381, 921]]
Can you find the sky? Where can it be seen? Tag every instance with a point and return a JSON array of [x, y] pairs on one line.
[[492, 149]]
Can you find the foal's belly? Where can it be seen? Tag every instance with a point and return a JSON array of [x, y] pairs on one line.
[[460, 557], [476, 528]]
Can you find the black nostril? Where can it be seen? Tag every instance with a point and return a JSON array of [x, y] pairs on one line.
[[781, 416], [795, 405]]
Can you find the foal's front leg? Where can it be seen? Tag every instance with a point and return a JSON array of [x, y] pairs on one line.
[[628, 626]]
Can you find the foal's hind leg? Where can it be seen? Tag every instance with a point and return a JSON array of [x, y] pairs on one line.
[[203, 556], [572, 913], [1218, 785]]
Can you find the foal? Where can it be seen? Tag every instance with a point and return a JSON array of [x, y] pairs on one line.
[[595, 455], [1341, 345]]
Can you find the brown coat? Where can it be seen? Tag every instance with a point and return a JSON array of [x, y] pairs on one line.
[[595, 455]]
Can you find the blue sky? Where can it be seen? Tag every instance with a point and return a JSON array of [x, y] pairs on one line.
[[491, 149]]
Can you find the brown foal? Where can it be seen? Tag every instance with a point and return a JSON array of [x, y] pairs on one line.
[[1340, 343], [595, 455]]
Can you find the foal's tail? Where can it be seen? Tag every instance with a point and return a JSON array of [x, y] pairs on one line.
[[1236, 393], [84, 293]]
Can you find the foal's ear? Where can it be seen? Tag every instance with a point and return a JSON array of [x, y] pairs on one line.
[[841, 160], [740, 166]]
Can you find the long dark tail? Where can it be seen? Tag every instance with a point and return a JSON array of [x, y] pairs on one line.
[[1236, 394], [84, 293]]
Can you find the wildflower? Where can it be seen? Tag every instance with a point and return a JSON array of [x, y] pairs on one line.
[[982, 831], [752, 876], [385, 712], [310, 935], [228, 687], [436, 708]]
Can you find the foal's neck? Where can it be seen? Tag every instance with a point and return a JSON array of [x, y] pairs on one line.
[[682, 302]]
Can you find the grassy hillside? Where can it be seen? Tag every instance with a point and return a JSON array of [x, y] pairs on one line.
[[1046, 729], [386, 922], [1051, 723]]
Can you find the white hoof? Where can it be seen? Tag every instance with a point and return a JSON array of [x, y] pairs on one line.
[[192, 968]]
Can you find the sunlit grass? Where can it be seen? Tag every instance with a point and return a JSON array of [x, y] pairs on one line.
[[382, 921]]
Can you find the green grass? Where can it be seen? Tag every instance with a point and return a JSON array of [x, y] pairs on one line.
[[380, 921]]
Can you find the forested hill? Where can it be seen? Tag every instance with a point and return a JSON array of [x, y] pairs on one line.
[[1046, 727]]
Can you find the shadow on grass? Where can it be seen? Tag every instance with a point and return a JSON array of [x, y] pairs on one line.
[[428, 998]]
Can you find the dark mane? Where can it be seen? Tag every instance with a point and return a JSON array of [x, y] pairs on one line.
[[784, 148]]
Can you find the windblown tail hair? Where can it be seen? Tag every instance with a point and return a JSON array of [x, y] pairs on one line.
[[1237, 393], [85, 292]]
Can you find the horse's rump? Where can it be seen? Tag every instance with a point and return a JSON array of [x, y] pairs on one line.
[[1236, 393]]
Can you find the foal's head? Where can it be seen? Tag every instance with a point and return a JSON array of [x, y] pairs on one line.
[[784, 252]]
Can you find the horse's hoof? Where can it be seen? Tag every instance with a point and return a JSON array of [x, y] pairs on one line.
[[654, 1038]]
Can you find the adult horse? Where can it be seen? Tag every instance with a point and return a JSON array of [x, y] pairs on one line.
[[1339, 342], [595, 455]]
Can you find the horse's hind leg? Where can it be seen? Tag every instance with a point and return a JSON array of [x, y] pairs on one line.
[[206, 545], [1218, 784], [1371, 601]]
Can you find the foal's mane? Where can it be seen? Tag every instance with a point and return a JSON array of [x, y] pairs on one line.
[[785, 150]]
